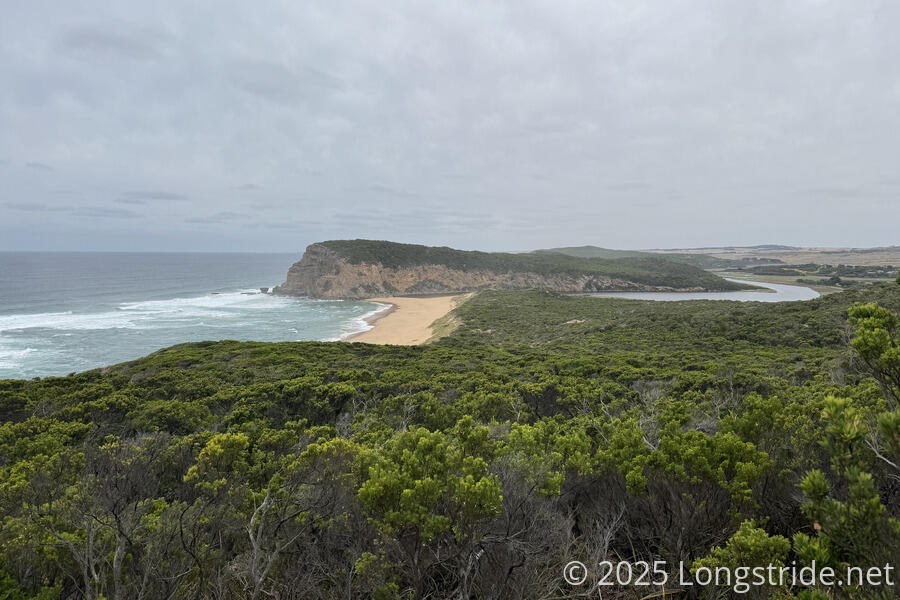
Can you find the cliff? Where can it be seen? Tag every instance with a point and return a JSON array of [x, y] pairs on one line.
[[356, 269]]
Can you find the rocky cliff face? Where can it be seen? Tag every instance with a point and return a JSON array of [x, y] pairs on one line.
[[323, 273]]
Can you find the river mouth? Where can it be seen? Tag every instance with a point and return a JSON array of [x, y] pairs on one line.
[[774, 292]]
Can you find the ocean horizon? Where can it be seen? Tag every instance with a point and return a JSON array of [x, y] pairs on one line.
[[64, 312]]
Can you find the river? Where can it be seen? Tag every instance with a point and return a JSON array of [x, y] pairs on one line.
[[779, 293]]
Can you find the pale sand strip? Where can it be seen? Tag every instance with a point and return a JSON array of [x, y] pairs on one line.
[[408, 321]]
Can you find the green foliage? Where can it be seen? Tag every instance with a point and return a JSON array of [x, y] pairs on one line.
[[544, 452], [723, 459], [223, 458], [855, 530], [375, 571], [750, 547], [851, 524], [10, 590], [878, 343], [423, 482]]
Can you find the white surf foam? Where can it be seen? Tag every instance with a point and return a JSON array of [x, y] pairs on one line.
[[143, 315], [11, 359], [238, 299], [360, 324], [66, 320]]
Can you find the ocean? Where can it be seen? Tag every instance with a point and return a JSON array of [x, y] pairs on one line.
[[68, 312]]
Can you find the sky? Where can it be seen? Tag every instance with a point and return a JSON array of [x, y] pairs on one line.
[[266, 126]]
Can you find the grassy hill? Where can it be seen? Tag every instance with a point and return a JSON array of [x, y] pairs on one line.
[[703, 261], [644, 268]]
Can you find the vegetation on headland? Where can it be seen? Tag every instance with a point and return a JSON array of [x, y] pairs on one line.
[[825, 278], [825, 270], [702, 261], [647, 269], [543, 429]]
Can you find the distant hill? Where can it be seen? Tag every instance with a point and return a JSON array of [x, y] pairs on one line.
[[793, 255], [703, 261], [372, 268], [717, 248], [594, 252]]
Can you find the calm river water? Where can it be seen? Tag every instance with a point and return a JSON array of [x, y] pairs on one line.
[[779, 293]]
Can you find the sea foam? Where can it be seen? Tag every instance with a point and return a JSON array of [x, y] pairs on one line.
[[146, 314], [361, 323]]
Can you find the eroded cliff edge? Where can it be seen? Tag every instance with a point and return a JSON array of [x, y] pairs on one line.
[[357, 269]]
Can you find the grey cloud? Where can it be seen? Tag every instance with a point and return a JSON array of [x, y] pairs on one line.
[[415, 220], [217, 218], [145, 195], [33, 207], [103, 212], [844, 192], [118, 40], [247, 187], [381, 188], [628, 186], [291, 225], [39, 166], [281, 83], [270, 207]]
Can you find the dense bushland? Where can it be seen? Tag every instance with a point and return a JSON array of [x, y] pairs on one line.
[[544, 429]]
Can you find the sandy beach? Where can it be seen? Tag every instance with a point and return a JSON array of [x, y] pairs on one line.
[[408, 320]]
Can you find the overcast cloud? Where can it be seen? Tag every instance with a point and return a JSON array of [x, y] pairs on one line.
[[270, 125]]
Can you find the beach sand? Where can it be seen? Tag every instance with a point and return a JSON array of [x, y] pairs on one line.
[[408, 321]]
